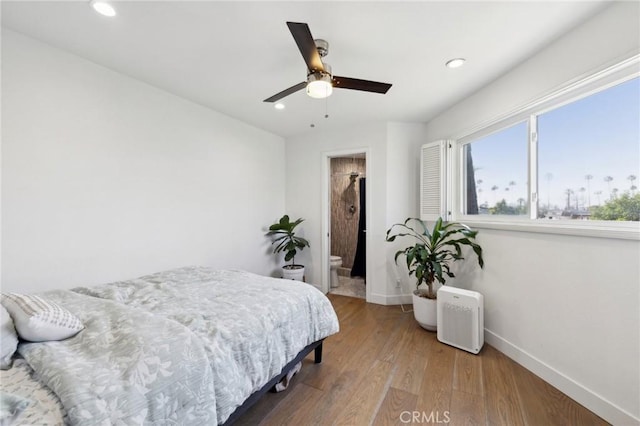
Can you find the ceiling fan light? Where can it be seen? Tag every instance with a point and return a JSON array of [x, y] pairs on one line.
[[319, 89], [103, 8], [319, 85]]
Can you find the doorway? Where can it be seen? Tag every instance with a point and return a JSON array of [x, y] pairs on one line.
[[346, 217]]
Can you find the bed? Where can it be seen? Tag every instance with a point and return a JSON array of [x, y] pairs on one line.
[[191, 345]]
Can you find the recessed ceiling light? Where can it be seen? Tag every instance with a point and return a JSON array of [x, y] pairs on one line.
[[279, 105], [455, 63], [103, 8]]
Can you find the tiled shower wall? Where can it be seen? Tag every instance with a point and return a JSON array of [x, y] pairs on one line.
[[345, 209]]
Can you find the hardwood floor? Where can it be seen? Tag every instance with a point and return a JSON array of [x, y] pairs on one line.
[[383, 369]]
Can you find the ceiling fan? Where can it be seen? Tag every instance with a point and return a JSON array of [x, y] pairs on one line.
[[320, 81]]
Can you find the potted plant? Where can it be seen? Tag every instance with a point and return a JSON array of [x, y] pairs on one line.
[[286, 241], [430, 258]]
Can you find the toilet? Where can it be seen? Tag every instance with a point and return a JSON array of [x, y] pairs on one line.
[[336, 262]]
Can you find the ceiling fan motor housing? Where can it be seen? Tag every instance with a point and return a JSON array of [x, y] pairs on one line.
[[322, 46], [318, 74]]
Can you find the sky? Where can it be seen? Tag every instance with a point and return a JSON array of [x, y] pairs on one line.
[[598, 135]]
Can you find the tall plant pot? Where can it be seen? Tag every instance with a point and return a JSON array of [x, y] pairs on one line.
[[293, 272], [425, 311]]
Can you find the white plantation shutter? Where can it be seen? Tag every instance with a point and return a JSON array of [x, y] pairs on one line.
[[433, 172]]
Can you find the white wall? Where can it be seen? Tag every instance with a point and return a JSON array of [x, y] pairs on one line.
[[390, 148], [403, 186], [305, 156], [105, 177], [568, 308]]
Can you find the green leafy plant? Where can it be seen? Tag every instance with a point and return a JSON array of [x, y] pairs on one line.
[[429, 259], [285, 239], [625, 207]]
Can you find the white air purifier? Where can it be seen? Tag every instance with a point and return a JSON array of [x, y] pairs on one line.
[[461, 318]]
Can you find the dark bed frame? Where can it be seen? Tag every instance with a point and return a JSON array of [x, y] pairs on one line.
[[317, 346]]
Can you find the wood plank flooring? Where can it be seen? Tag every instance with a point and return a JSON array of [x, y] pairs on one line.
[[383, 369]]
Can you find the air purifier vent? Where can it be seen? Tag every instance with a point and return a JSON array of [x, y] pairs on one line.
[[460, 318]]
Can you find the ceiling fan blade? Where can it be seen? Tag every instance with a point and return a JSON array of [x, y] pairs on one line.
[[286, 92], [357, 84], [302, 35]]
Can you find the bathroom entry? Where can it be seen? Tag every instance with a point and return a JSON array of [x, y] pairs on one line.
[[348, 225]]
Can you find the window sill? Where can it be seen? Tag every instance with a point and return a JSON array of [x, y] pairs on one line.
[[611, 230]]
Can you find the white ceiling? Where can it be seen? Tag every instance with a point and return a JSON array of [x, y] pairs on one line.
[[229, 56]]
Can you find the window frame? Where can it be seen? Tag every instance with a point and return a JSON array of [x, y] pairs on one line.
[[571, 92], [458, 162]]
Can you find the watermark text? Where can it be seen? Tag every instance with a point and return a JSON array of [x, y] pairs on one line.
[[432, 417]]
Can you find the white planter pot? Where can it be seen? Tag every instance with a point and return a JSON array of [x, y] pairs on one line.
[[293, 272], [425, 312]]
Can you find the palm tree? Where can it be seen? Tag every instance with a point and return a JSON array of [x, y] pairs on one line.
[[598, 193], [588, 178], [608, 179], [568, 191], [614, 193], [631, 179], [494, 188]]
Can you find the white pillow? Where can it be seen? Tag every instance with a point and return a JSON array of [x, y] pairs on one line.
[[8, 339], [38, 320]]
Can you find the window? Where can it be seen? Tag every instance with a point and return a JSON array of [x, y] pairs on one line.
[[567, 163], [589, 155], [495, 173]]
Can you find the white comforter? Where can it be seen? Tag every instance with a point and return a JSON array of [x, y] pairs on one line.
[[250, 325]]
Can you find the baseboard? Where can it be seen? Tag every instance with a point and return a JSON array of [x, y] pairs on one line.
[[594, 402], [396, 299]]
